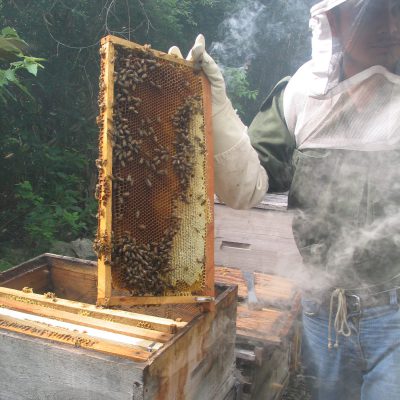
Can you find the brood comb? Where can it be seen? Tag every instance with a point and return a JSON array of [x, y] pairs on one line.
[[155, 190]]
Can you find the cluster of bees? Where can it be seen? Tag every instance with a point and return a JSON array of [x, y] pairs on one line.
[[142, 268], [144, 265], [99, 162], [182, 161]]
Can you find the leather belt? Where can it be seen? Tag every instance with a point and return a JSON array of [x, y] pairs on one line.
[[357, 301]]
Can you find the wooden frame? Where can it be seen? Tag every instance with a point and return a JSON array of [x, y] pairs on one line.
[[105, 295], [104, 269]]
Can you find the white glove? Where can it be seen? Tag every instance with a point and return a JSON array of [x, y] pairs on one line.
[[240, 180], [227, 127]]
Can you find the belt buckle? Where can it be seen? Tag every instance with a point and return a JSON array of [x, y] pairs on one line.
[[356, 305]]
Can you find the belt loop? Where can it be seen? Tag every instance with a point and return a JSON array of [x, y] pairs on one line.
[[393, 297]]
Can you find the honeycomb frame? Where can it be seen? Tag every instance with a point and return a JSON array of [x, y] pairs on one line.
[[155, 222]]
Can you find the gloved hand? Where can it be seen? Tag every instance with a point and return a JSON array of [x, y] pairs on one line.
[[227, 127], [240, 180]]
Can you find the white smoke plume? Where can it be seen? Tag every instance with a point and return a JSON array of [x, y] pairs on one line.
[[238, 45]]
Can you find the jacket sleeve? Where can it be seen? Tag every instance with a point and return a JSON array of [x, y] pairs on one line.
[[272, 140]]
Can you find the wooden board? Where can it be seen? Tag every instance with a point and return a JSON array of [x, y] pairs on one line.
[[37, 279], [128, 318], [124, 301], [91, 322], [34, 368], [73, 283], [275, 290], [232, 276], [264, 325], [256, 240], [198, 364], [44, 331], [271, 290]]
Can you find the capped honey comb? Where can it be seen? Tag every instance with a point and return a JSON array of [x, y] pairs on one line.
[[155, 189]]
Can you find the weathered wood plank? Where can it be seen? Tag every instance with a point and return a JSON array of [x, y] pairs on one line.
[[128, 318], [87, 321], [198, 363], [264, 325], [72, 284], [38, 279], [271, 290], [44, 331], [232, 276], [20, 269], [274, 290], [144, 300], [41, 369], [255, 240]]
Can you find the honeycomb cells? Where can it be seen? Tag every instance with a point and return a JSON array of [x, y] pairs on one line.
[[160, 210]]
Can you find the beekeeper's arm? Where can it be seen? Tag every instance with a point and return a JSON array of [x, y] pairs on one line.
[[240, 179]]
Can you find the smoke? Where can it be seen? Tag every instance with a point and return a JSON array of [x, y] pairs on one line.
[[258, 44], [343, 248], [255, 28], [238, 46]]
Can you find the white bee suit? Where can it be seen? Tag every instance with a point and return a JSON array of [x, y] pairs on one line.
[[323, 110]]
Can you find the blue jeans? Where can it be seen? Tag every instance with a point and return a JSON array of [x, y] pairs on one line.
[[365, 365]]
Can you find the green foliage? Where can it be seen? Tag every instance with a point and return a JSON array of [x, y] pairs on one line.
[[46, 220], [238, 88], [48, 141], [12, 48]]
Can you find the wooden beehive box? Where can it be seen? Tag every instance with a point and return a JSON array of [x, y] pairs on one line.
[[268, 337], [59, 345], [258, 239]]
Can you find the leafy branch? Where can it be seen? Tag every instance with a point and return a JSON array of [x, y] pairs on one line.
[[13, 59]]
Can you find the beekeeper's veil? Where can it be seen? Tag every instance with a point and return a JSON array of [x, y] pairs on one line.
[[348, 95]]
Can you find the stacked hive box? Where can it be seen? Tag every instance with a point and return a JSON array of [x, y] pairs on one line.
[[64, 347]]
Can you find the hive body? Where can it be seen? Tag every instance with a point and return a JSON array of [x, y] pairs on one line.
[[155, 191]]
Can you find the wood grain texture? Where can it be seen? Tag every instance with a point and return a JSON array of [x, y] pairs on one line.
[[199, 363], [104, 285], [128, 318], [263, 325], [91, 322], [38, 279], [271, 290], [267, 234], [78, 284], [33, 368], [125, 301], [61, 335], [232, 276]]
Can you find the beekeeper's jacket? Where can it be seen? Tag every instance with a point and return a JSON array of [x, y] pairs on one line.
[[335, 145]]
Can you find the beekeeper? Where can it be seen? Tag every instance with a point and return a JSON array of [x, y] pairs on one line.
[[331, 136]]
